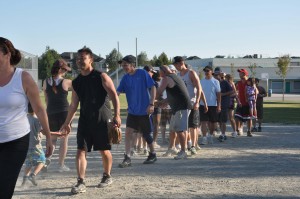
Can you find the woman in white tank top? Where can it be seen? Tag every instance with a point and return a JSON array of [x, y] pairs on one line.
[[17, 88]]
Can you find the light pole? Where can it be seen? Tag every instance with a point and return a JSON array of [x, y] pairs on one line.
[[118, 66]]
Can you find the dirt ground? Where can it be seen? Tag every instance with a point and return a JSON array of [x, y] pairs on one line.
[[264, 166]]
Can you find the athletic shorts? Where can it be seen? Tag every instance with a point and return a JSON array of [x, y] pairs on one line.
[[165, 117], [92, 135], [157, 111], [34, 157], [179, 121], [140, 123], [260, 111], [194, 119], [210, 116], [223, 115], [56, 120]]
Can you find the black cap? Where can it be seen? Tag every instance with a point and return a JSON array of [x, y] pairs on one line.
[[128, 58], [217, 71], [208, 68], [149, 68], [177, 59]]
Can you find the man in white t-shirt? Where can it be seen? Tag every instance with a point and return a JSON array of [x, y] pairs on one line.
[[212, 92]]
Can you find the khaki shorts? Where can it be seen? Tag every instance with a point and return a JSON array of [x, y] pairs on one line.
[[179, 121]]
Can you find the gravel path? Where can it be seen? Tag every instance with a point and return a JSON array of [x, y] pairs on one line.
[[264, 166]]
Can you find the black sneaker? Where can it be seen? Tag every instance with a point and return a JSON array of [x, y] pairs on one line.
[[249, 134], [254, 129], [126, 162], [32, 179], [25, 180], [259, 129], [79, 187], [221, 138], [151, 158], [105, 181]]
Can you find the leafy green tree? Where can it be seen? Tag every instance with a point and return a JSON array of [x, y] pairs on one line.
[[46, 61], [153, 61], [112, 60], [252, 69], [283, 68], [162, 60], [143, 59]]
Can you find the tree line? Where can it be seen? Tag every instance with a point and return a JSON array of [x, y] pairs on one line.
[[47, 59]]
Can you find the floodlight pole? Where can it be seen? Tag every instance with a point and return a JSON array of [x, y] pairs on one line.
[[136, 52], [118, 66]]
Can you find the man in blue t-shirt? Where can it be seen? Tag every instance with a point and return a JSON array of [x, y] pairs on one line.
[[136, 84]]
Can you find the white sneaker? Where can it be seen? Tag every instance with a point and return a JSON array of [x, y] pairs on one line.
[[197, 147], [181, 155], [234, 134], [204, 141], [170, 152], [155, 145], [63, 168], [210, 139]]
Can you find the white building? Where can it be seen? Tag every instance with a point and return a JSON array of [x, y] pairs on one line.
[[265, 70]]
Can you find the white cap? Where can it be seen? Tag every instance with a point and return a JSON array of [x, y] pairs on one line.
[[172, 67]]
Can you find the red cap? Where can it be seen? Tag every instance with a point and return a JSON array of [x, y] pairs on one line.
[[243, 71]]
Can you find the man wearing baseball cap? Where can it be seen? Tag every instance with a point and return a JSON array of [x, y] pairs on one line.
[[242, 110], [136, 84]]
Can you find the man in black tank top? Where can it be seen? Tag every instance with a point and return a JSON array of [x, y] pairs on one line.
[[92, 89], [179, 101]]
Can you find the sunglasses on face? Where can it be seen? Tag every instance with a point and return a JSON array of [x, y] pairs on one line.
[[206, 71]]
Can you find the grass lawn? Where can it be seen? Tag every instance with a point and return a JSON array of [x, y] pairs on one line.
[[274, 111], [281, 112]]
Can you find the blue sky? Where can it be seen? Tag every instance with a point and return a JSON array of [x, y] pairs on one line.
[[176, 27]]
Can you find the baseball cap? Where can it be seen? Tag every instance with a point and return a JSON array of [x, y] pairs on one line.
[[217, 71], [208, 68], [243, 71], [177, 59], [61, 63], [129, 59], [172, 67], [149, 68]]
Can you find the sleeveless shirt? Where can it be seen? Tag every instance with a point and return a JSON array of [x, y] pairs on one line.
[[57, 102], [178, 96], [93, 98], [13, 109], [189, 85]]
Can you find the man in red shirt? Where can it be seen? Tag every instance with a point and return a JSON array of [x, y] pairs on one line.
[[242, 110]]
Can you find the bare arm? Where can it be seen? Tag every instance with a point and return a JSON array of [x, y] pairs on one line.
[[110, 89], [196, 83], [219, 101], [45, 93], [150, 108], [32, 92], [66, 127]]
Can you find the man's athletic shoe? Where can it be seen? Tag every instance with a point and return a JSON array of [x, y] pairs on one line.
[[259, 129], [79, 187], [126, 162], [32, 179], [204, 141], [105, 181], [193, 150], [234, 134], [249, 134], [254, 129], [151, 158], [63, 168], [221, 138], [170, 152], [210, 139], [181, 155]]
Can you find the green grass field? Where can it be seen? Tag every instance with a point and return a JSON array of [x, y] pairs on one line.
[[281, 112], [274, 111]]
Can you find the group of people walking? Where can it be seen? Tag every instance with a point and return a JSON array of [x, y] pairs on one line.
[[177, 97]]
